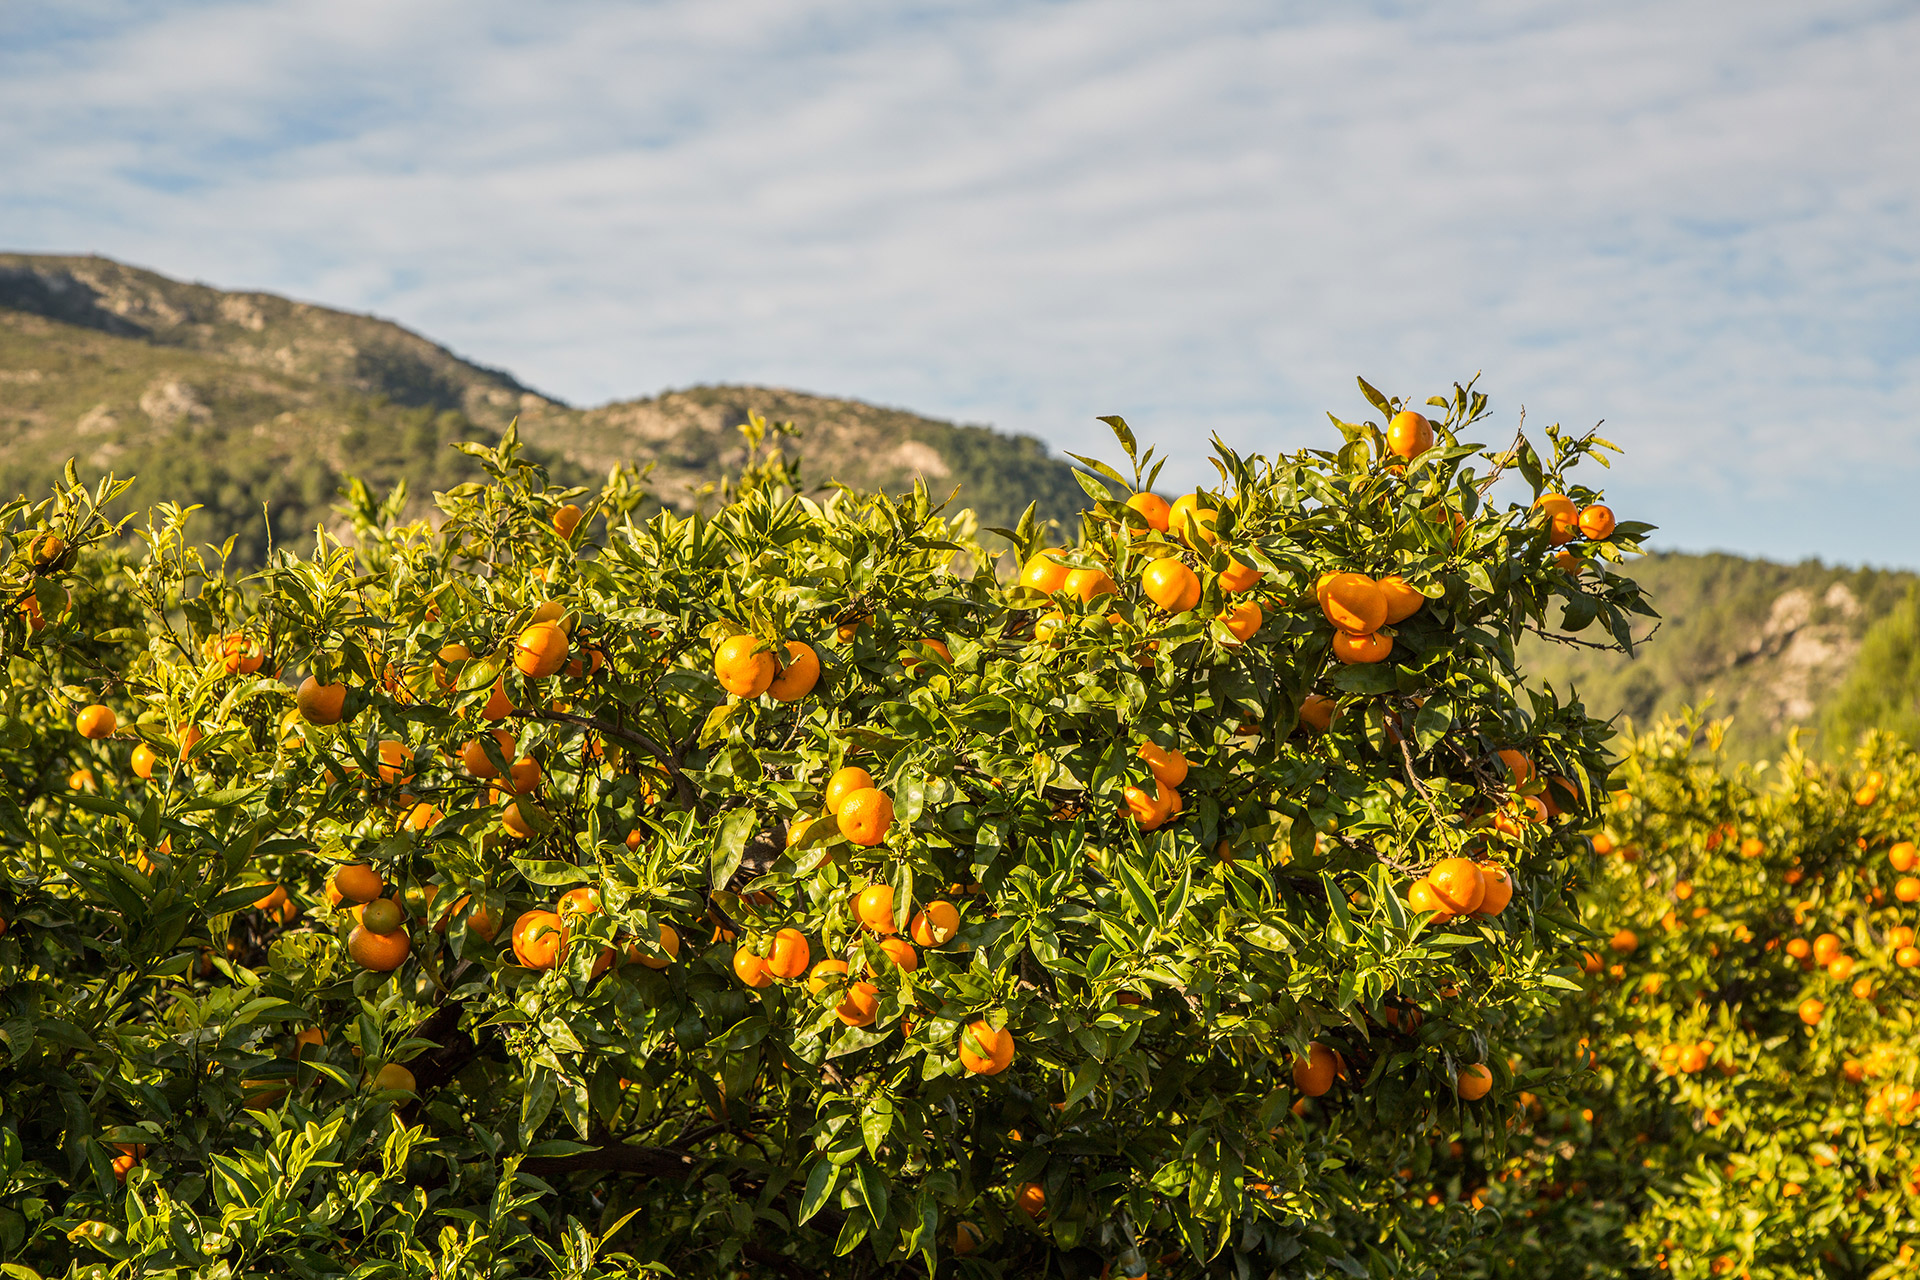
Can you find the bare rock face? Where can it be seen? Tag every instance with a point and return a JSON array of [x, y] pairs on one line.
[[169, 400]]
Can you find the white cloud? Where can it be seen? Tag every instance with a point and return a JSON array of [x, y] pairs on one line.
[[1697, 221]]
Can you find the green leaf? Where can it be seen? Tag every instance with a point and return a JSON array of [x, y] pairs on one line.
[[821, 1180], [873, 1190], [549, 872], [730, 845]]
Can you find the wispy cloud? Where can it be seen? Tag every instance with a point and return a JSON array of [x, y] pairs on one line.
[[1697, 221]]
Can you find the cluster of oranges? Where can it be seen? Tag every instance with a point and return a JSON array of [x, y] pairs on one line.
[[1359, 606], [1169, 766], [1461, 887]]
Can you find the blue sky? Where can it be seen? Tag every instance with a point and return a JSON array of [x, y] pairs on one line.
[[1697, 221]]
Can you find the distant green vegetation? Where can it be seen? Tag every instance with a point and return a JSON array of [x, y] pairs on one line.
[[1882, 691], [1768, 644]]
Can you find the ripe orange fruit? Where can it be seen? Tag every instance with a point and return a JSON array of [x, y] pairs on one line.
[[824, 975], [1903, 856], [1402, 600], [1499, 889], [1313, 1074], [987, 1051], [1458, 884], [45, 549], [1030, 1200], [1907, 889], [380, 952], [1409, 434], [1907, 957], [96, 722], [1625, 942], [859, 1005], [396, 762], [523, 777], [1840, 968], [1048, 625], [1169, 766], [669, 943], [1563, 518], [744, 669], [394, 1076], [566, 519], [1900, 936], [1518, 766], [358, 882], [1243, 619], [584, 901], [1421, 897], [473, 754], [540, 650], [1171, 585], [844, 783], [968, 1238], [1088, 583], [936, 924], [874, 907], [1473, 1082], [751, 969], [320, 703], [866, 816], [241, 655], [926, 645], [787, 957], [797, 678], [1043, 573], [1153, 509], [499, 706], [1356, 650], [901, 952], [1144, 809], [1693, 1059], [1354, 603], [1238, 577], [1825, 948], [143, 761], [538, 937], [1596, 522], [518, 824], [1811, 1011], [1798, 948]]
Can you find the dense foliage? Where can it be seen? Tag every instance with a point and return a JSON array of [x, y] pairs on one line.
[[493, 897], [1749, 1016]]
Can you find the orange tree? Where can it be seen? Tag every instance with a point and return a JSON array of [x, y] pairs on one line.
[[541, 890], [1749, 1021]]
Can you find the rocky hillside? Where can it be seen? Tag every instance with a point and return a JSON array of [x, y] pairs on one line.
[[1767, 643], [244, 399]]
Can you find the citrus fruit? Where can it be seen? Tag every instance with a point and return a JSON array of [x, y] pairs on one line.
[[787, 957], [1402, 600], [537, 938], [540, 650], [320, 703], [935, 924], [1409, 434], [1596, 522], [1238, 577], [1358, 650], [1153, 509], [1313, 1073], [1030, 1198], [358, 882], [669, 943], [143, 761], [986, 1051], [473, 754], [1563, 518], [860, 1005], [1458, 884], [750, 968], [866, 816], [874, 907], [394, 1076], [1243, 619], [797, 678], [566, 519], [1088, 583], [1043, 573], [382, 916], [1354, 603], [396, 762], [1473, 1082], [1169, 766], [380, 952], [825, 975], [1499, 890], [844, 783], [1316, 713], [1171, 585], [96, 722], [744, 668], [901, 952]]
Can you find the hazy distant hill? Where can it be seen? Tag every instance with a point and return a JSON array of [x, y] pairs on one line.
[[1769, 643], [241, 399]]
